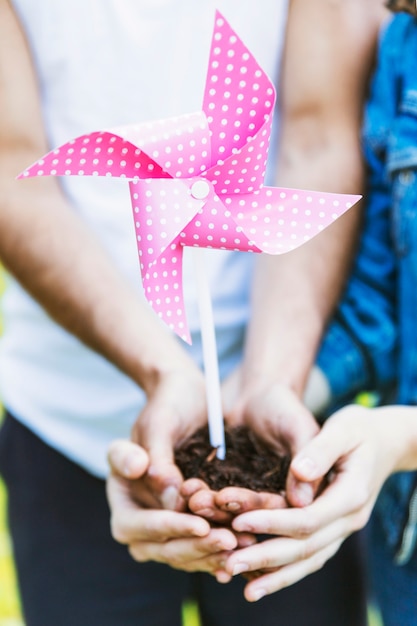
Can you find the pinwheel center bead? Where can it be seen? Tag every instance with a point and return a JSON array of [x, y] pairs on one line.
[[200, 189]]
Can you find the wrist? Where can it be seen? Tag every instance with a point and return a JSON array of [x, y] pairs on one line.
[[160, 360], [139, 344], [401, 429]]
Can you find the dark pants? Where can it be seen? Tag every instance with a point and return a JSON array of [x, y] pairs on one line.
[[72, 573], [395, 585]]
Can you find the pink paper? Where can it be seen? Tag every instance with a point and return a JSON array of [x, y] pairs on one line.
[[197, 179]]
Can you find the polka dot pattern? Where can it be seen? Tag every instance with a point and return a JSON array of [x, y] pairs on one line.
[[277, 220], [239, 100], [176, 147], [179, 145], [168, 217], [101, 153], [197, 179]]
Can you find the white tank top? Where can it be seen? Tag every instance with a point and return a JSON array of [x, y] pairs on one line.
[[104, 63]]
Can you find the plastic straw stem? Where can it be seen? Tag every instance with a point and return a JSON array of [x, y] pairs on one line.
[[211, 366]]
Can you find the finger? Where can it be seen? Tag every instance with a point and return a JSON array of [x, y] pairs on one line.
[[203, 503], [179, 556], [300, 493], [288, 575], [129, 525], [200, 500], [191, 486], [309, 468], [125, 495], [340, 499], [320, 454], [244, 540], [237, 500], [222, 577], [281, 551], [127, 459], [183, 553], [118, 494], [163, 478], [265, 555]]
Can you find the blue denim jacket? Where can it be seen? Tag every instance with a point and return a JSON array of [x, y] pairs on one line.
[[372, 340]]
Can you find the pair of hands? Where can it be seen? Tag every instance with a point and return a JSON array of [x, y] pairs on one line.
[[149, 499]]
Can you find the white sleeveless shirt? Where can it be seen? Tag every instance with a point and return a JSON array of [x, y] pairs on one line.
[[104, 63]]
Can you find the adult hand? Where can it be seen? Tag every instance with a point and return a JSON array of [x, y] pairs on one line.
[[278, 417], [175, 408], [281, 421], [361, 448], [183, 541]]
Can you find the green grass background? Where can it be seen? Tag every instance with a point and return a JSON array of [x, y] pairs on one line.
[[10, 614]]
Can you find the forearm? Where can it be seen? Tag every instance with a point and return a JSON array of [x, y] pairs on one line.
[[52, 253], [295, 294], [399, 423]]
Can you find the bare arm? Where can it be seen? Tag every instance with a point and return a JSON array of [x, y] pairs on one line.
[[329, 54], [57, 259], [325, 73], [51, 251]]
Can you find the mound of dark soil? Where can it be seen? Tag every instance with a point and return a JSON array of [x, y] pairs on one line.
[[248, 463]]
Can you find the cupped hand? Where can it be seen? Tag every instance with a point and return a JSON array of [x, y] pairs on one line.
[[274, 413], [280, 420], [175, 408], [183, 541], [357, 444]]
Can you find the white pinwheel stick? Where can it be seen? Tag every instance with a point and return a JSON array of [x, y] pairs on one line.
[[211, 366]]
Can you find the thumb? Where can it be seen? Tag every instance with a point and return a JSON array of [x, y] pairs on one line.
[[310, 466], [164, 477], [127, 459]]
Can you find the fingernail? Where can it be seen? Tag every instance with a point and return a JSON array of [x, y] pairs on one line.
[[169, 498], [205, 513], [305, 493], [257, 594], [242, 524], [233, 506], [130, 465], [239, 568]]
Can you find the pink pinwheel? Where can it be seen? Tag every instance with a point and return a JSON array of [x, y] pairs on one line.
[[197, 180]]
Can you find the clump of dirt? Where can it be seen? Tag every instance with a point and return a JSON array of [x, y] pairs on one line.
[[249, 463]]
